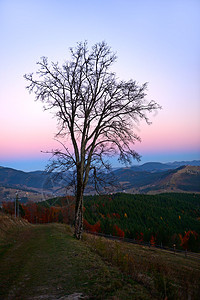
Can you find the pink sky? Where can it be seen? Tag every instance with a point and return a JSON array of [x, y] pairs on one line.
[[155, 41]]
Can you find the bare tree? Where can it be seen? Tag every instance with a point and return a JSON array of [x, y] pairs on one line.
[[95, 111]]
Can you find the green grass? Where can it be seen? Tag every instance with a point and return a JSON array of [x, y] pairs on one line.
[[46, 262]]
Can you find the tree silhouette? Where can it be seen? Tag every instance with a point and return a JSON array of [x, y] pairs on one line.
[[95, 111]]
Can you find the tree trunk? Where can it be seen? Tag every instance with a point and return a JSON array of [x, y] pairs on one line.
[[79, 211]]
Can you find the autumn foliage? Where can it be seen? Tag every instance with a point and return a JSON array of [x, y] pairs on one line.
[[153, 240], [92, 228], [118, 231], [35, 213], [187, 239]]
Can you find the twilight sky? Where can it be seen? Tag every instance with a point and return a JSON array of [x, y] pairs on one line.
[[156, 42]]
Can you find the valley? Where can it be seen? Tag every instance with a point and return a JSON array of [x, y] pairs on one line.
[[149, 178]]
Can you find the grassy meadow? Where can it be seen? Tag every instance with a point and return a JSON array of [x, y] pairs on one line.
[[46, 262]]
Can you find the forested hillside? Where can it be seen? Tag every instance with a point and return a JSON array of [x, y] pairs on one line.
[[164, 219]]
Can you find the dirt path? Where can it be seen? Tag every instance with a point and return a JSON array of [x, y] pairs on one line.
[[46, 262]]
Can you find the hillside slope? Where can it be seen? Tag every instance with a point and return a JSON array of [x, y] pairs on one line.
[[9, 223], [186, 179], [46, 262], [182, 179]]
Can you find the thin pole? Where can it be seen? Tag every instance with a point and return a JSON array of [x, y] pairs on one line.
[[16, 205]]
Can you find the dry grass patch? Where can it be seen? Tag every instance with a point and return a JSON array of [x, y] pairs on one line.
[[166, 275]]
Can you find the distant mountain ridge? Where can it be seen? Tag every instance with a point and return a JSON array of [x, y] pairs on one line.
[[181, 163], [152, 177], [182, 179], [157, 166], [12, 177]]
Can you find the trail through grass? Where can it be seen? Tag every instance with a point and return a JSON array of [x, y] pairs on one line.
[[46, 262]]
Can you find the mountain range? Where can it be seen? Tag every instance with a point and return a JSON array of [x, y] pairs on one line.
[[182, 179], [152, 177], [159, 167]]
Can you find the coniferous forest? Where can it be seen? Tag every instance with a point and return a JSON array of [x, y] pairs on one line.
[[163, 219]]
